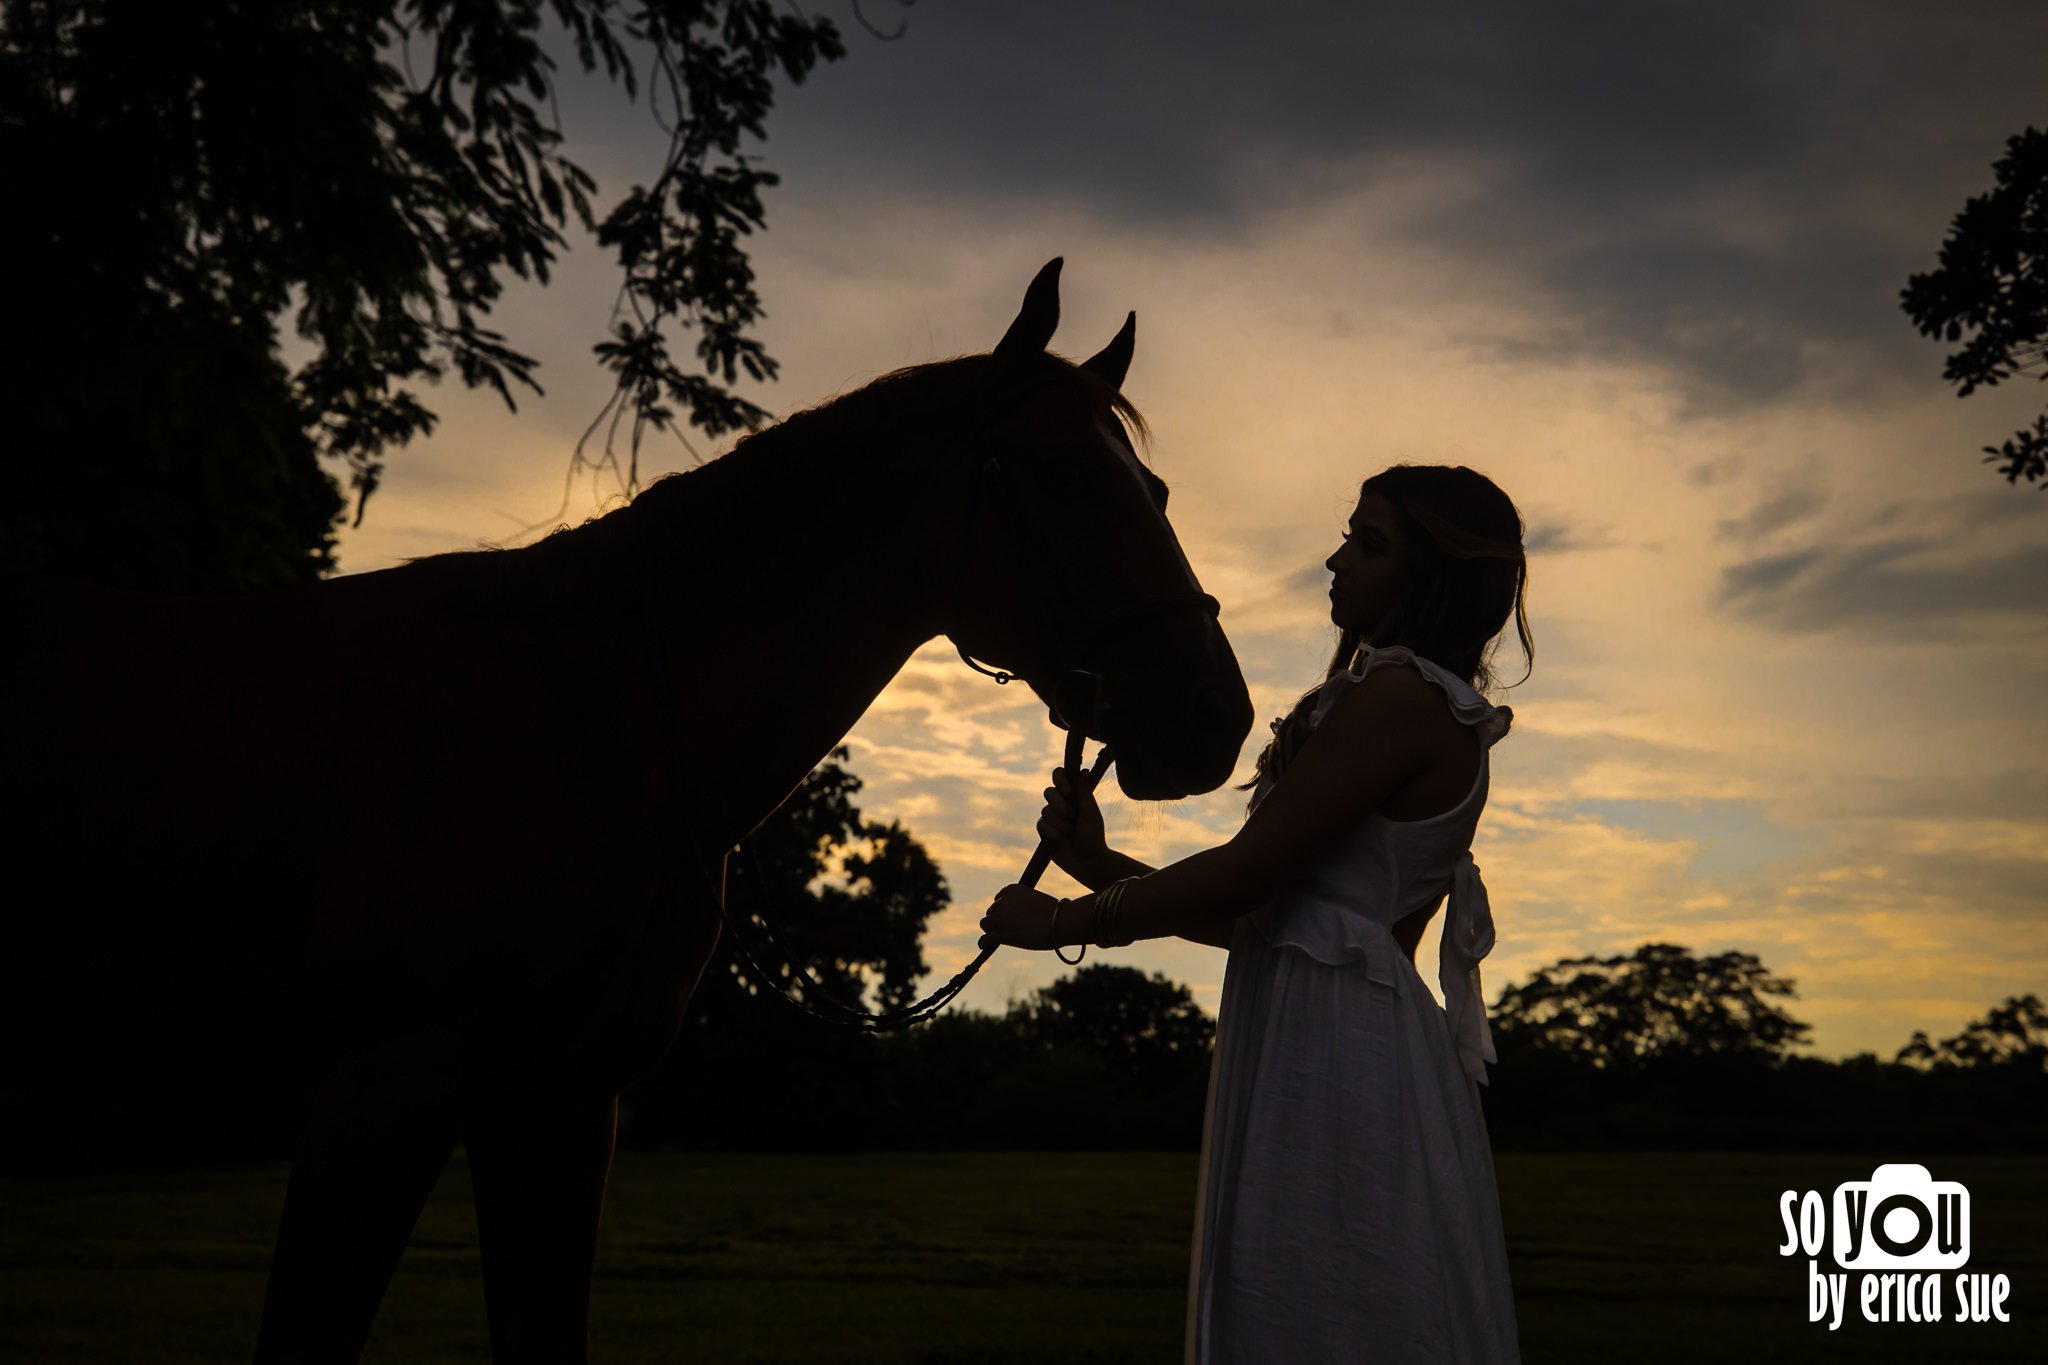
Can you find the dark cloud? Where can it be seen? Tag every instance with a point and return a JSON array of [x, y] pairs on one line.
[[1766, 574], [1164, 116], [1559, 537], [1695, 186], [2013, 794], [1888, 583], [1982, 511], [1713, 473], [1998, 886], [1908, 565], [1776, 510]]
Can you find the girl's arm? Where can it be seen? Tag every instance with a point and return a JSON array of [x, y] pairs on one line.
[[1092, 862], [1371, 742], [1111, 866], [1107, 866], [1215, 934]]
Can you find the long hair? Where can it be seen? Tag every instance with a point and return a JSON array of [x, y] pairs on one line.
[[1463, 575]]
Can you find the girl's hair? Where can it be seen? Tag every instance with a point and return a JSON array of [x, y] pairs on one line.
[[1463, 575]]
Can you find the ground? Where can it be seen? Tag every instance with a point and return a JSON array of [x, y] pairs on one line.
[[993, 1258]]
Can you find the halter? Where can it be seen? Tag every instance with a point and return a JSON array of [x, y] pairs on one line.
[[1081, 641]]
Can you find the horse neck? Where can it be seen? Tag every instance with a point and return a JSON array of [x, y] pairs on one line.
[[795, 576]]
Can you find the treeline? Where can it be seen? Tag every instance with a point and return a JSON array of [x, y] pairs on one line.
[[1107, 1057], [1658, 1047], [1541, 1100], [830, 906], [1653, 1049]]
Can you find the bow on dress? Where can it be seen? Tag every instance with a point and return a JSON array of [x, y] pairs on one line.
[[1468, 937]]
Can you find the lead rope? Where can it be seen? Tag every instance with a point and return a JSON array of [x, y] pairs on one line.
[[834, 1010]]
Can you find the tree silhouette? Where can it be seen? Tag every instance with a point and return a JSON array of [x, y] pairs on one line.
[[1992, 283], [1143, 1028], [817, 890], [842, 898], [1656, 1006], [2014, 1034], [1105, 1057], [181, 178]]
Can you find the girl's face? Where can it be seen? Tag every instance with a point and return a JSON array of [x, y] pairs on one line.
[[1365, 569]]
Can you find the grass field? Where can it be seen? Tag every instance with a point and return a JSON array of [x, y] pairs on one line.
[[916, 1259]]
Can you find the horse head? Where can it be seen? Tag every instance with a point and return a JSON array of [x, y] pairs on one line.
[[1075, 571]]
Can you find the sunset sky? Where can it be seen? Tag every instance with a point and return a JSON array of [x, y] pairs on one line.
[[1638, 263]]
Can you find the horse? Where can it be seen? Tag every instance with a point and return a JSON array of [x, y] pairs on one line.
[[458, 825]]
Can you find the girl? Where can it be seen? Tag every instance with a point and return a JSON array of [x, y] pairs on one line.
[[1347, 1208]]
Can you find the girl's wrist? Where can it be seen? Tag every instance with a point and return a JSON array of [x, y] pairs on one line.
[[1091, 869], [1073, 923], [1105, 928], [1102, 868]]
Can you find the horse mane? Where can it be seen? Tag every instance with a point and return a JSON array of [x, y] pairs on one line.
[[832, 441], [827, 443], [781, 456], [819, 445]]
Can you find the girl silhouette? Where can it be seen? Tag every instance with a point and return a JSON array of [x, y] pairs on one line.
[[1347, 1208]]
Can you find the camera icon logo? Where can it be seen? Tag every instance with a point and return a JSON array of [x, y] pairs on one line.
[[1901, 1219]]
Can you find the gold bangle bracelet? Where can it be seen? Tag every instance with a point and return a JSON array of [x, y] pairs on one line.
[[1107, 902]]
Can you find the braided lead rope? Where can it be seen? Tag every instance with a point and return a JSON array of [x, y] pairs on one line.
[[834, 1010]]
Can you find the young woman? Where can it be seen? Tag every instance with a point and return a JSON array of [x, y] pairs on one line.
[[1347, 1209]]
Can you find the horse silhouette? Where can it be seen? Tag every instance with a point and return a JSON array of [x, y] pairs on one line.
[[454, 829]]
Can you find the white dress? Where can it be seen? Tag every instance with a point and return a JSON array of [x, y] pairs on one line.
[[1348, 1210]]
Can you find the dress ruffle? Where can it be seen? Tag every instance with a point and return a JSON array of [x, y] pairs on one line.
[[1468, 937], [1491, 721]]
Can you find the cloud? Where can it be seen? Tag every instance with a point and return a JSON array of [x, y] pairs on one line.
[[1685, 186], [2000, 794], [1888, 583], [1713, 473], [1778, 509], [1557, 537], [1887, 925], [1732, 836]]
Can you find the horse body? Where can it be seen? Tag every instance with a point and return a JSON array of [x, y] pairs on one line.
[[463, 818]]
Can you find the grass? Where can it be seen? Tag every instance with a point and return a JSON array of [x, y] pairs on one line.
[[917, 1259]]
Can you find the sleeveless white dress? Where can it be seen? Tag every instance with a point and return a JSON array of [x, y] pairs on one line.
[[1347, 1209]]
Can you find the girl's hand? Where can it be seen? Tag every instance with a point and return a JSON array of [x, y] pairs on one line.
[[1073, 821], [1022, 918]]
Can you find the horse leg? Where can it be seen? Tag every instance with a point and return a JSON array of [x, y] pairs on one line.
[[375, 1131], [541, 1150], [538, 1159]]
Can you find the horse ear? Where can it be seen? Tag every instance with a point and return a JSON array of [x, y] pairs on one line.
[[1038, 319], [1113, 362]]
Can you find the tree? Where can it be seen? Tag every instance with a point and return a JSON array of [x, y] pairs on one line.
[[1146, 1030], [857, 932], [819, 891], [181, 178], [1992, 282], [1658, 1005], [2013, 1035], [1106, 1057]]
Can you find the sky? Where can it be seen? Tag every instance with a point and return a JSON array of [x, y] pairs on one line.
[[1639, 264]]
